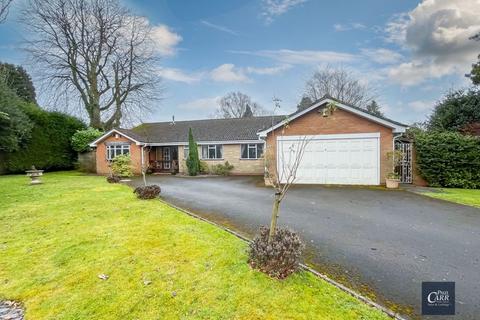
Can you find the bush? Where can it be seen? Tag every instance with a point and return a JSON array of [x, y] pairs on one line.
[[82, 138], [147, 192], [113, 179], [278, 259], [222, 169], [121, 166], [448, 159], [204, 167], [49, 147]]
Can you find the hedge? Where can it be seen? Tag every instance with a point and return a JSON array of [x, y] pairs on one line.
[[49, 147], [448, 159]]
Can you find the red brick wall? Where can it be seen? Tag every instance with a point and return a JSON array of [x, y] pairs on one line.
[[103, 166], [340, 122]]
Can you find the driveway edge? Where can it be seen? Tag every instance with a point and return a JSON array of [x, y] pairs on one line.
[[340, 286]]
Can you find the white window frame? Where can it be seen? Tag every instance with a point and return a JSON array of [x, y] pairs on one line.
[[117, 149], [215, 147], [251, 146], [186, 152]]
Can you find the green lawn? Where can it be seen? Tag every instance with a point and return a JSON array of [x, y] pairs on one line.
[[56, 238], [470, 197]]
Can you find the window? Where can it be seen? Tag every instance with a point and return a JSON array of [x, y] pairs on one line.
[[252, 151], [185, 152], [212, 151], [114, 150]]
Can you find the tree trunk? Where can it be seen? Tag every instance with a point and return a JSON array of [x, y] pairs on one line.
[[95, 118], [273, 222]]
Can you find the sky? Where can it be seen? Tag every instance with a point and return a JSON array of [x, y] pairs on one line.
[[410, 53]]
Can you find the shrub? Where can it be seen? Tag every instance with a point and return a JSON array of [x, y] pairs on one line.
[[147, 192], [281, 257], [82, 139], [193, 162], [222, 169], [113, 179], [121, 166], [204, 167], [448, 159]]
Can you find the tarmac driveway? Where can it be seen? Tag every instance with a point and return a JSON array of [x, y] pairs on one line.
[[377, 241]]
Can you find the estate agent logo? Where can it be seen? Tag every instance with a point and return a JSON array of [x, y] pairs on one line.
[[438, 298]]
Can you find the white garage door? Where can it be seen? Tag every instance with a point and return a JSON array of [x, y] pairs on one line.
[[332, 159]]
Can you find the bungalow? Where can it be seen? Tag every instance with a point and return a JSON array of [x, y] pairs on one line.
[[347, 145]]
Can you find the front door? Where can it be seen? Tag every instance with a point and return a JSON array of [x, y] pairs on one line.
[[167, 158]]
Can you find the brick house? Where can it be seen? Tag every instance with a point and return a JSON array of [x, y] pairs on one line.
[[347, 145]]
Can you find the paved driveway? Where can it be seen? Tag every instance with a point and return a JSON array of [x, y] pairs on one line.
[[378, 241]]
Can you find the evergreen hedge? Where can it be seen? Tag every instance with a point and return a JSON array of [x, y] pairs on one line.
[[49, 146], [448, 159]]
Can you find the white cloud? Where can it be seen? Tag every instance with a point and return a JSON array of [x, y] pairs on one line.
[[218, 27], [302, 56], [165, 39], [437, 34], [275, 8], [382, 55], [268, 70], [179, 75], [202, 104], [421, 105], [339, 27], [228, 73]]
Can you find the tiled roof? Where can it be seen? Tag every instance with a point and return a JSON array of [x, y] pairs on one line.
[[203, 130]]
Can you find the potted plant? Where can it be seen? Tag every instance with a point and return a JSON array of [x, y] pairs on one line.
[[393, 178]]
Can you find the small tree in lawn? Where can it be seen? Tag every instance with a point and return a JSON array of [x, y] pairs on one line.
[[193, 162], [277, 252]]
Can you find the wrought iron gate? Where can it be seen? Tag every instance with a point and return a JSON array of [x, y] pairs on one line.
[[404, 169]]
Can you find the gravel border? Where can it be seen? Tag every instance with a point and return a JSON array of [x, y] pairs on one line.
[[11, 310]]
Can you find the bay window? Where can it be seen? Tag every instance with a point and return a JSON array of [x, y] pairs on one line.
[[114, 150]]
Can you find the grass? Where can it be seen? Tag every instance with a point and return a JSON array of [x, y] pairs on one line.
[[470, 197], [56, 238]]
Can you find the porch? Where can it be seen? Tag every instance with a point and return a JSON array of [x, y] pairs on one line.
[[163, 159]]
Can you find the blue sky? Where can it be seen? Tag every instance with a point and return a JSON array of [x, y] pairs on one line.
[[410, 53]]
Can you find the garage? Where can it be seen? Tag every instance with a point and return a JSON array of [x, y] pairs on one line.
[[332, 158]]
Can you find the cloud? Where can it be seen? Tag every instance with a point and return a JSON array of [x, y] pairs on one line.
[[179, 75], [302, 56], [339, 27], [165, 39], [421, 105], [382, 55], [268, 70], [228, 73], [218, 27], [436, 33], [275, 8], [207, 104]]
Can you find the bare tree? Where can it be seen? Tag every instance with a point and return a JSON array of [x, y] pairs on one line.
[[4, 5], [340, 84], [237, 105], [97, 51], [281, 179]]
